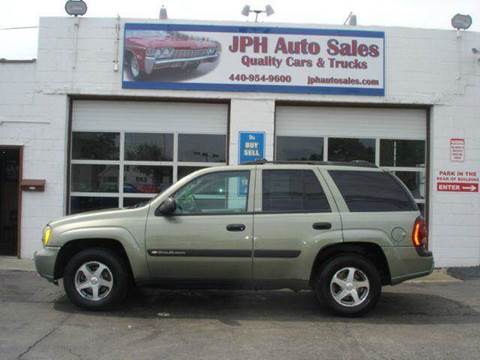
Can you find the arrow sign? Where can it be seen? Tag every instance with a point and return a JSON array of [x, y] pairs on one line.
[[457, 187]]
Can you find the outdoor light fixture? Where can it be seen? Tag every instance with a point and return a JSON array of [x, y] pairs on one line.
[[163, 13], [461, 22], [76, 7], [268, 11]]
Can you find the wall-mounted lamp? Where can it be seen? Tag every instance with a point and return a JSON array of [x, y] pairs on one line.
[[247, 10]]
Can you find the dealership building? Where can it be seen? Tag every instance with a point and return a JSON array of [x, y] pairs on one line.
[[114, 110]]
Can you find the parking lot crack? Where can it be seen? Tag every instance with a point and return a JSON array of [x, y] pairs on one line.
[[38, 341]]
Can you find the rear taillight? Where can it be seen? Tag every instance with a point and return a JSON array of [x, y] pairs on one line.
[[419, 233]]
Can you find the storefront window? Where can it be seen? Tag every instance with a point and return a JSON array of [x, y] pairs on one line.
[[415, 181], [148, 147], [95, 145], [290, 148], [201, 148], [187, 170], [404, 153], [94, 178], [147, 179], [88, 203], [149, 162], [344, 149]]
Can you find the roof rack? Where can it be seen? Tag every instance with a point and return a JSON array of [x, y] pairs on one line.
[[359, 163]]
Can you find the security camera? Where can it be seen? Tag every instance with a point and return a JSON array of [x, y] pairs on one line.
[[475, 51]]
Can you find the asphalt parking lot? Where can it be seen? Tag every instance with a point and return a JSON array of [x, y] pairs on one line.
[[436, 320]]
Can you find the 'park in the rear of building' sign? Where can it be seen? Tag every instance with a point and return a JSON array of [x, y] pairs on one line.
[[251, 146]]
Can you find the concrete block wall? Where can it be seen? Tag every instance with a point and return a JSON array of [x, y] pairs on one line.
[[36, 122], [426, 67]]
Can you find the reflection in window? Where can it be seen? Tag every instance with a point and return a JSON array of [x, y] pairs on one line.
[[148, 147], [132, 201], [94, 178], [86, 203], [289, 148], [292, 191], [147, 179], [201, 148], [187, 170], [95, 145], [343, 149], [415, 182], [219, 192], [402, 153]]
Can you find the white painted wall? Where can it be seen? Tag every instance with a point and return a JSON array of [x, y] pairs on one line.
[[432, 67]]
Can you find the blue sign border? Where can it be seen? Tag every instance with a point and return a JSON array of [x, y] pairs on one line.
[[240, 133], [327, 90]]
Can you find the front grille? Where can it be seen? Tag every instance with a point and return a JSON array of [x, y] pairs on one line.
[[182, 54]]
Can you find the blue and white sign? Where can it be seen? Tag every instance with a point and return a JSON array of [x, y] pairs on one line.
[[251, 146], [254, 59]]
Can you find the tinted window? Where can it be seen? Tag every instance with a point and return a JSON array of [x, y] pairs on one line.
[[215, 193], [365, 191], [149, 147], [299, 148], [292, 191], [201, 148], [340, 149], [402, 153], [129, 201], [95, 145]]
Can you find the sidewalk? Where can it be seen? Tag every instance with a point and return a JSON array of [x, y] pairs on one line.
[[13, 263]]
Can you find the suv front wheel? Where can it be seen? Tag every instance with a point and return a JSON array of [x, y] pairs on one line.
[[96, 279], [349, 285]]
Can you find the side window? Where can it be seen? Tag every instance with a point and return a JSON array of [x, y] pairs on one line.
[[366, 191], [215, 193], [292, 191]]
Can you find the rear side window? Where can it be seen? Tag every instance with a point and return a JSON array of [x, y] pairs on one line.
[[292, 191], [366, 191]]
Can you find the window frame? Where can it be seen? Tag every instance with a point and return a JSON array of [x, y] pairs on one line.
[[250, 194], [121, 163], [258, 208]]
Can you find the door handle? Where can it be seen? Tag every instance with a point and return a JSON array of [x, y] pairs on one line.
[[322, 226], [236, 227]]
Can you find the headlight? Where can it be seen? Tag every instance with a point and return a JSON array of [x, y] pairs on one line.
[[47, 235], [164, 53], [150, 52]]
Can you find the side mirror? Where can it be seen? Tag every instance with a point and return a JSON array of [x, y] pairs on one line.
[[167, 207]]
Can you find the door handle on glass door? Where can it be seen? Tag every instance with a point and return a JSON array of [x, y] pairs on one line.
[[236, 227], [322, 226]]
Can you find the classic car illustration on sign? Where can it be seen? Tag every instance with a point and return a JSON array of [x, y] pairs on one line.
[[147, 51]]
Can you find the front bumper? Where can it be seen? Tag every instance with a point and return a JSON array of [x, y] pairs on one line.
[[152, 63], [45, 260]]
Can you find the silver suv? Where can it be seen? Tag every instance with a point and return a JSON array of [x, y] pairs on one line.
[[343, 230]]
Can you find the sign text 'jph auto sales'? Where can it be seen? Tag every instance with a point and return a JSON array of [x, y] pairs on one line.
[[248, 58]]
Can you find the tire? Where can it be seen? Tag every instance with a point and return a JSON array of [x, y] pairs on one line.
[[84, 273], [134, 69], [336, 289]]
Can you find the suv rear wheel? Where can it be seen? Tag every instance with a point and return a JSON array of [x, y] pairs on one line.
[[96, 279], [349, 285]]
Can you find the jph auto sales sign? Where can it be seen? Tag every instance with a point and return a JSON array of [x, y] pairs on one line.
[[457, 181], [251, 58]]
